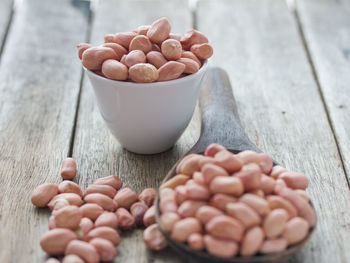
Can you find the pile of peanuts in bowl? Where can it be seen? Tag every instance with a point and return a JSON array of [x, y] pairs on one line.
[[148, 54], [235, 204], [83, 226]]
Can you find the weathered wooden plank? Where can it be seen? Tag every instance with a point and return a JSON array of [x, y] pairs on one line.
[[326, 28], [39, 86], [5, 16], [257, 42], [97, 152]]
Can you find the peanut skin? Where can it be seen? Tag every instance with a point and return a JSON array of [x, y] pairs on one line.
[[92, 59], [196, 241], [125, 219], [135, 57], [68, 217], [142, 43], [138, 210], [111, 180], [73, 199], [126, 197], [179, 179], [69, 187], [118, 49], [167, 220], [104, 248], [202, 51], [102, 189], [149, 217], [225, 227], [191, 66], [81, 48], [153, 238], [143, 72], [190, 55], [43, 194], [244, 213], [105, 233], [252, 241], [102, 200], [193, 37], [184, 228], [124, 38], [107, 219], [56, 240], [220, 247], [159, 30], [84, 250], [170, 70], [69, 166], [156, 59], [147, 196], [91, 211], [114, 69], [171, 49]]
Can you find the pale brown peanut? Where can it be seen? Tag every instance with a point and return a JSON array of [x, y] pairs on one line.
[[192, 37], [69, 166], [197, 192], [273, 246], [170, 70], [155, 47], [125, 198], [190, 55], [102, 189], [43, 194], [149, 217], [280, 184], [267, 184], [104, 232], [113, 69], [109, 38], [142, 43], [138, 210], [303, 194], [118, 49], [250, 174], [69, 187], [198, 178], [142, 30], [173, 182], [305, 210], [206, 213], [84, 250], [111, 180], [225, 227], [153, 238], [226, 185], [92, 59], [295, 230], [171, 49], [59, 204], [213, 148], [295, 180], [143, 72], [85, 226], [72, 259], [124, 38], [258, 203], [91, 211], [189, 164], [275, 222], [222, 248], [125, 219], [228, 161], [159, 30], [168, 205], [276, 201], [276, 171], [54, 242], [184, 228], [175, 36], [243, 213], [181, 194], [196, 241], [107, 219], [220, 201], [68, 217], [252, 241], [147, 196], [211, 171], [202, 51], [81, 48], [104, 248], [102, 200], [52, 222], [156, 59], [135, 57], [73, 199], [167, 220], [53, 260], [189, 208], [191, 66]]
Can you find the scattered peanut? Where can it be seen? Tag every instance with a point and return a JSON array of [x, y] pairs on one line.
[[43, 194]]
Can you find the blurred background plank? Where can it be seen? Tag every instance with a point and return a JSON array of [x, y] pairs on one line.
[[96, 150], [6, 8], [326, 28], [39, 85], [257, 42]]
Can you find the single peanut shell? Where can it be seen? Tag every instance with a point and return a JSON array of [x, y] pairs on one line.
[[156, 59], [91, 211], [84, 250], [102, 200], [142, 72], [114, 69], [69, 187], [159, 30], [54, 242], [124, 38], [111, 180], [92, 59], [105, 248], [153, 238], [118, 49], [81, 48], [68, 217], [107, 219], [101, 189], [138, 210], [222, 248], [43, 194], [275, 222], [147, 196], [125, 198], [184, 228], [125, 219], [170, 70], [205, 213], [191, 66], [142, 43], [243, 213], [168, 220], [149, 217], [105, 233], [171, 49]]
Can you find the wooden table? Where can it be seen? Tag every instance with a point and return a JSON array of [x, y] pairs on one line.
[[290, 71]]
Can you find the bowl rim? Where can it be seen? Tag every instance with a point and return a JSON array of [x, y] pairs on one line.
[[150, 84]]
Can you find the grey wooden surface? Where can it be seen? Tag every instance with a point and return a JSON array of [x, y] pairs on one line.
[[47, 113]]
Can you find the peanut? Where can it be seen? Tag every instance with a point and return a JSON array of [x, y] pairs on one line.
[[166, 193], [295, 180], [213, 148], [104, 248], [55, 241], [252, 241], [53, 260], [303, 194], [206, 213], [202, 51], [189, 164], [273, 245], [267, 184], [43, 194], [60, 203], [135, 57], [220, 201], [228, 161], [138, 210], [159, 30], [243, 213], [156, 59], [276, 171], [102, 200], [125, 219], [84, 250], [73, 199], [114, 69], [85, 226], [109, 38], [295, 230], [250, 174], [147, 196], [118, 49], [111, 180], [226, 185], [91, 211], [222, 248], [104, 232], [175, 36], [197, 192], [196, 241], [72, 259], [155, 47], [181, 194], [52, 222], [107, 219], [189, 208], [211, 171], [149, 217], [125, 198], [280, 184], [190, 55], [167, 220], [170, 70], [198, 178], [81, 48], [173, 182], [68, 217], [171, 49], [191, 66], [69, 187], [193, 37], [184, 228], [143, 72], [142, 30], [259, 204], [153, 238], [124, 38], [275, 202], [101, 189], [274, 222], [225, 227], [142, 43], [167, 205], [92, 59]]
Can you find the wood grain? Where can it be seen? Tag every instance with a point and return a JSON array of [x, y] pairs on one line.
[[5, 16], [39, 85], [326, 27], [95, 149], [257, 42]]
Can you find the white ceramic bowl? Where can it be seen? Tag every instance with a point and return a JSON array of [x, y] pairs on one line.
[[147, 118]]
